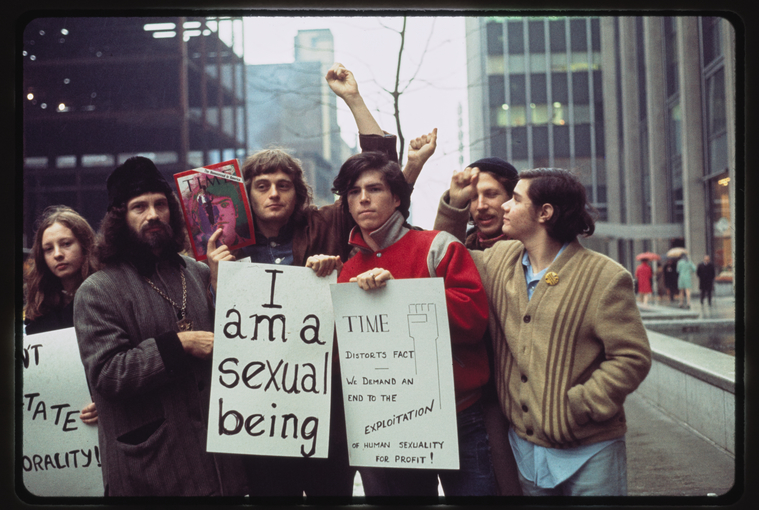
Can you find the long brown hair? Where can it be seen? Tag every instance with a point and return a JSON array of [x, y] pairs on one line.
[[43, 288], [268, 161]]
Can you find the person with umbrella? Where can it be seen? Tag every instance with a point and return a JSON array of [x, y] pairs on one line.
[[685, 269]]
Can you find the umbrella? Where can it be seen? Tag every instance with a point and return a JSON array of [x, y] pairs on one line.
[[676, 252], [648, 255]]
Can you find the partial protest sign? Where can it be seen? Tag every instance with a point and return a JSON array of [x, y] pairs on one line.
[[272, 361], [396, 374], [61, 457]]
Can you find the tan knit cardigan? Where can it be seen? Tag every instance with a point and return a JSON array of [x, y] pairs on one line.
[[566, 359]]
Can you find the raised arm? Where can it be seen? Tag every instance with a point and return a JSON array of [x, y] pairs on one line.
[[343, 84], [420, 150], [453, 209]]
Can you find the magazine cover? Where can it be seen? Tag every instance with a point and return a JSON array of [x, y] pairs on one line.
[[214, 197]]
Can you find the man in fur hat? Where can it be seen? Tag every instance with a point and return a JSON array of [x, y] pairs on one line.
[[144, 324]]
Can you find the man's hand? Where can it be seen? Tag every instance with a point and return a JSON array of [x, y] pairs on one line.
[[374, 279], [197, 343], [419, 151], [464, 186], [89, 414], [342, 82], [215, 255], [323, 265]]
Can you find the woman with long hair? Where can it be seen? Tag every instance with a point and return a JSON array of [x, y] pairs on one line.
[[61, 258]]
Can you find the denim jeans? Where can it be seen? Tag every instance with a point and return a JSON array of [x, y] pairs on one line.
[[474, 477], [604, 474]]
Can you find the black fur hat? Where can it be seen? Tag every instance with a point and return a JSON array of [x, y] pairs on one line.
[[137, 175]]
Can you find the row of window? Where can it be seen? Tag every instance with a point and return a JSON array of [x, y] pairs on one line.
[[538, 41]]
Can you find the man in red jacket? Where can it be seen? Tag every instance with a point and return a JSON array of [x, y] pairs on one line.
[[375, 194]]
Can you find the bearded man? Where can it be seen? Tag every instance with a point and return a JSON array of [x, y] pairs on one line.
[[144, 327]]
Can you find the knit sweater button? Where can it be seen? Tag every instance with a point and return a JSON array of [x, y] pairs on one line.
[[528, 432], [379, 254], [524, 378], [527, 318], [524, 408]]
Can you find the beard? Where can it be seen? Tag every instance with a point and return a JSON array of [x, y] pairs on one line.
[[155, 240]]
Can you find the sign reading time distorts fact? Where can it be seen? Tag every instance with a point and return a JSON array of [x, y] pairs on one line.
[[397, 377], [272, 361], [61, 457]]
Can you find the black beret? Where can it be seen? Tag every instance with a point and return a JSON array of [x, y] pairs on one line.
[[137, 175], [498, 167]]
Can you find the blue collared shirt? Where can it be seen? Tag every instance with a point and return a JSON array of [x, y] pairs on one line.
[[548, 467], [272, 250]]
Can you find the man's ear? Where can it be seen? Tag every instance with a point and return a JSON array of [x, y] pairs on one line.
[[545, 213]]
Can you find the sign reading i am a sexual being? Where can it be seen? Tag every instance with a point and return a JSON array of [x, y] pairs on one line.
[[272, 361], [396, 374]]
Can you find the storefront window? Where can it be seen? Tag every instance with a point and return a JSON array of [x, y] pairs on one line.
[[722, 228]]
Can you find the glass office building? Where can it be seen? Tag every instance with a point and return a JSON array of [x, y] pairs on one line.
[[610, 99]]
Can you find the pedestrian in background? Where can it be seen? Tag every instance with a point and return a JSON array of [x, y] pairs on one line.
[[670, 278], [685, 268], [643, 274], [705, 273]]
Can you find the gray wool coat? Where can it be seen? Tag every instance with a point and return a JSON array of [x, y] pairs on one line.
[[152, 398]]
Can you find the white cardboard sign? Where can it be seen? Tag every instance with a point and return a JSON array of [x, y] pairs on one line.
[[272, 361], [396, 374], [61, 456]]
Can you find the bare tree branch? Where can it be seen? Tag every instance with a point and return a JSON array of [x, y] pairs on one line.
[[396, 94]]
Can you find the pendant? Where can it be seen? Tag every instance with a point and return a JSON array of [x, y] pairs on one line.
[[184, 325]]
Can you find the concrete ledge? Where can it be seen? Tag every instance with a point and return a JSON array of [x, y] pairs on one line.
[[694, 385]]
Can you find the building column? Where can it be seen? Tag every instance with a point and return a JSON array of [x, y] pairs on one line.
[[656, 114], [728, 45], [689, 70], [477, 80], [611, 128], [633, 167]]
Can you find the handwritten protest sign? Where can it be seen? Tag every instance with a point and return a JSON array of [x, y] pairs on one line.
[[272, 361], [61, 457], [397, 377]]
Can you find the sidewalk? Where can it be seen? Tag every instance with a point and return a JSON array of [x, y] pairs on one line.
[[664, 458]]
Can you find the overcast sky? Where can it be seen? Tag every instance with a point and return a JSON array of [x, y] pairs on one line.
[[434, 54]]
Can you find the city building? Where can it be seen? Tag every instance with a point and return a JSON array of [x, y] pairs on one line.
[[291, 106], [97, 91], [641, 108]]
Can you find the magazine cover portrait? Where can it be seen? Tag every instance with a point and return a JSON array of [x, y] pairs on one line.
[[214, 197]]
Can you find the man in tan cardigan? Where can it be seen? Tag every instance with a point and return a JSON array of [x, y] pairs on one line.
[[569, 343]]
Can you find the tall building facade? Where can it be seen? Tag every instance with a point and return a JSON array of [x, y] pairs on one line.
[[609, 99], [292, 107], [97, 91]]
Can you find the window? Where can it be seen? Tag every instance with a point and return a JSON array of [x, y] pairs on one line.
[[537, 36], [559, 88], [540, 141], [710, 27], [538, 88], [517, 93], [580, 90], [582, 140], [557, 33], [497, 93], [494, 32], [516, 37], [577, 34], [670, 48], [519, 143]]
